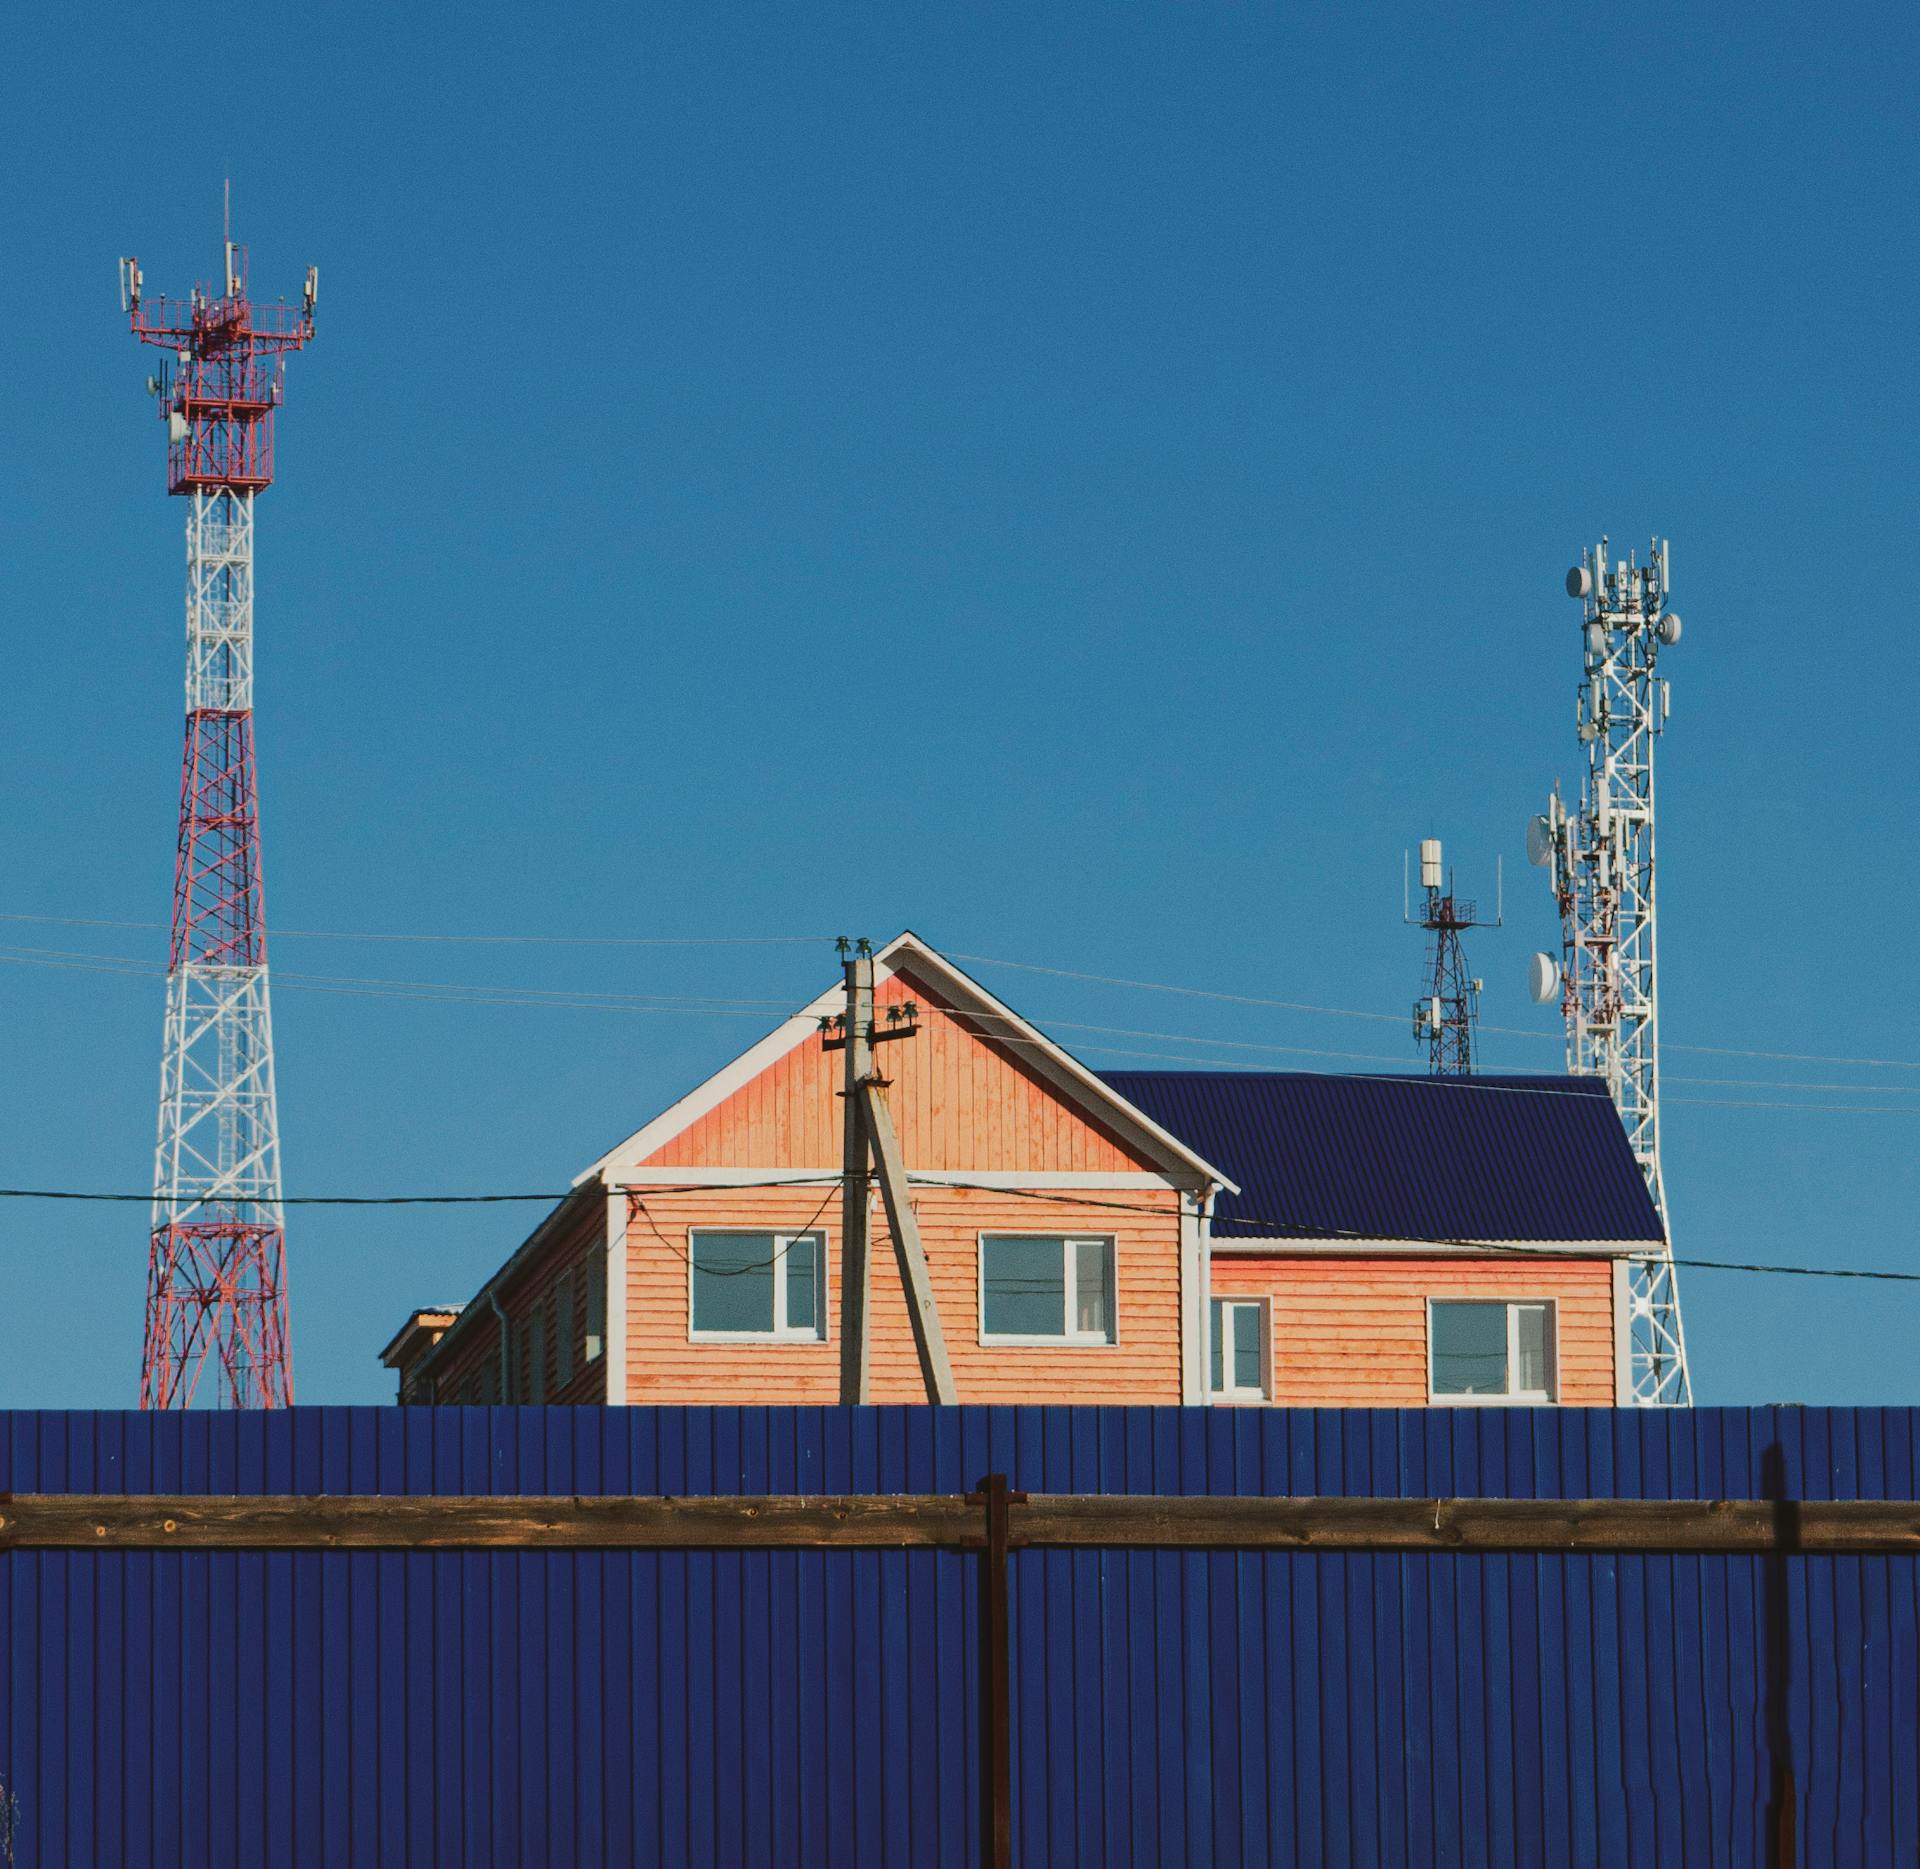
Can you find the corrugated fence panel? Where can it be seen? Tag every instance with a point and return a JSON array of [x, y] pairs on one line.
[[553, 1708]]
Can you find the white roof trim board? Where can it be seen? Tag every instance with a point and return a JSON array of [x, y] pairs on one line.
[[907, 952]]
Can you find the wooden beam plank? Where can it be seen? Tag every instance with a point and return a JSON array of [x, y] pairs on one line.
[[419, 1522], [115, 1521], [1339, 1524]]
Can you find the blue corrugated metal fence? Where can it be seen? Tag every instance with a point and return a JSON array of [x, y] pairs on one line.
[[548, 1708]]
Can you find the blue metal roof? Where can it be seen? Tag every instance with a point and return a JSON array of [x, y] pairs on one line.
[[1389, 1157]]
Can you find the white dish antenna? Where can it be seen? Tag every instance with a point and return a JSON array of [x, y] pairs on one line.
[[1539, 841], [1543, 978]]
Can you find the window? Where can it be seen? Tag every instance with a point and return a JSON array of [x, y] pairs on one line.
[[596, 1333], [1491, 1352], [759, 1285], [1239, 1365], [1042, 1288]]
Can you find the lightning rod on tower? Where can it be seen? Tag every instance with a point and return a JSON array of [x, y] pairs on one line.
[[216, 1277], [1600, 854]]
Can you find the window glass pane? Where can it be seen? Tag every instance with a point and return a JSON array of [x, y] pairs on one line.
[[733, 1281], [1214, 1379], [597, 1300], [1469, 1349], [1093, 1288], [1246, 1347], [1536, 1349], [1023, 1281], [803, 1283]]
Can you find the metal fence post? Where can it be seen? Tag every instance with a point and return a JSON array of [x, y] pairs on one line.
[[996, 1716]]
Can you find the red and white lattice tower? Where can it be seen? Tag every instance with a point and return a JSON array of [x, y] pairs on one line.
[[216, 1278]]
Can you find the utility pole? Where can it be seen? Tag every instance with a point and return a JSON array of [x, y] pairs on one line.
[[856, 1025], [868, 1139]]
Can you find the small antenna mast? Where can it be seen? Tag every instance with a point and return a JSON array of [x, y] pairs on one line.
[[1445, 1013]]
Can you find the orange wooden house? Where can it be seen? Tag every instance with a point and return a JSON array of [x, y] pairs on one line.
[[1133, 1237]]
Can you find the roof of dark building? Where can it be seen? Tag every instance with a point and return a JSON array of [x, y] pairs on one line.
[[1405, 1158]]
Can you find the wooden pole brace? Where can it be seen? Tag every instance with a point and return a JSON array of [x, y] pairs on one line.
[[923, 1310]]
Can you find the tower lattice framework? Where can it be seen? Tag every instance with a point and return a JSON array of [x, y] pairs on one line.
[[1445, 1014], [216, 1278], [1602, 858]]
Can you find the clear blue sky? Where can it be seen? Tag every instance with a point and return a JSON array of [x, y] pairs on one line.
[[1091, 485]]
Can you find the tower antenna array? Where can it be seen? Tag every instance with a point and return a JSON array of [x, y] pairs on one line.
[[216, 1276], [1445, 1014], [1601, 857]]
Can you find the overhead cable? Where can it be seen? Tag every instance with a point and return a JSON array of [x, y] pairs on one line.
[[1065, 1196]]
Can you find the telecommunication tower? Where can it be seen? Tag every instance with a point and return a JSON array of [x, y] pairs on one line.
[[216, 1277], [1445, 1014], [1601, 857]]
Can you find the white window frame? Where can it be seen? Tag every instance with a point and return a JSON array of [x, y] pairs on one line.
[[1511, 1398], [1229, 1395], [1067, 1339], [780, 1333]]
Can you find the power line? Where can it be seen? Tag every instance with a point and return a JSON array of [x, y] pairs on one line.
[[567, 999], [987, 960], [1776, 1083], [1294, 1228], [1065, 1196], [1194, 992], [1350, 1012], [583, 999], [635, 1201], [471, 940]]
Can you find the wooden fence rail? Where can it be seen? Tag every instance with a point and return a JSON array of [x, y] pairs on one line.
[[951, 1521]]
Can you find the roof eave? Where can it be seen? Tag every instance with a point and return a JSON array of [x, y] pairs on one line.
[[570, 1205]]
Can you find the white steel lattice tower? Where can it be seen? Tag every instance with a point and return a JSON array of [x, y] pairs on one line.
[[1602, 861], [216, 1282]]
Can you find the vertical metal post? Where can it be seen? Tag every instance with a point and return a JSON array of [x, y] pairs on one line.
[[1782, 1819], [854, 1255], [996, 1697]]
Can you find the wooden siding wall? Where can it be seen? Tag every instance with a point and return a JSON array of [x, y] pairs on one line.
[[469, 1370], [1143, 1365], [1352, 1332], [956, 1102]]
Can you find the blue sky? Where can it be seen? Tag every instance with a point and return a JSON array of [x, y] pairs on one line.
[[1090, 484]]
